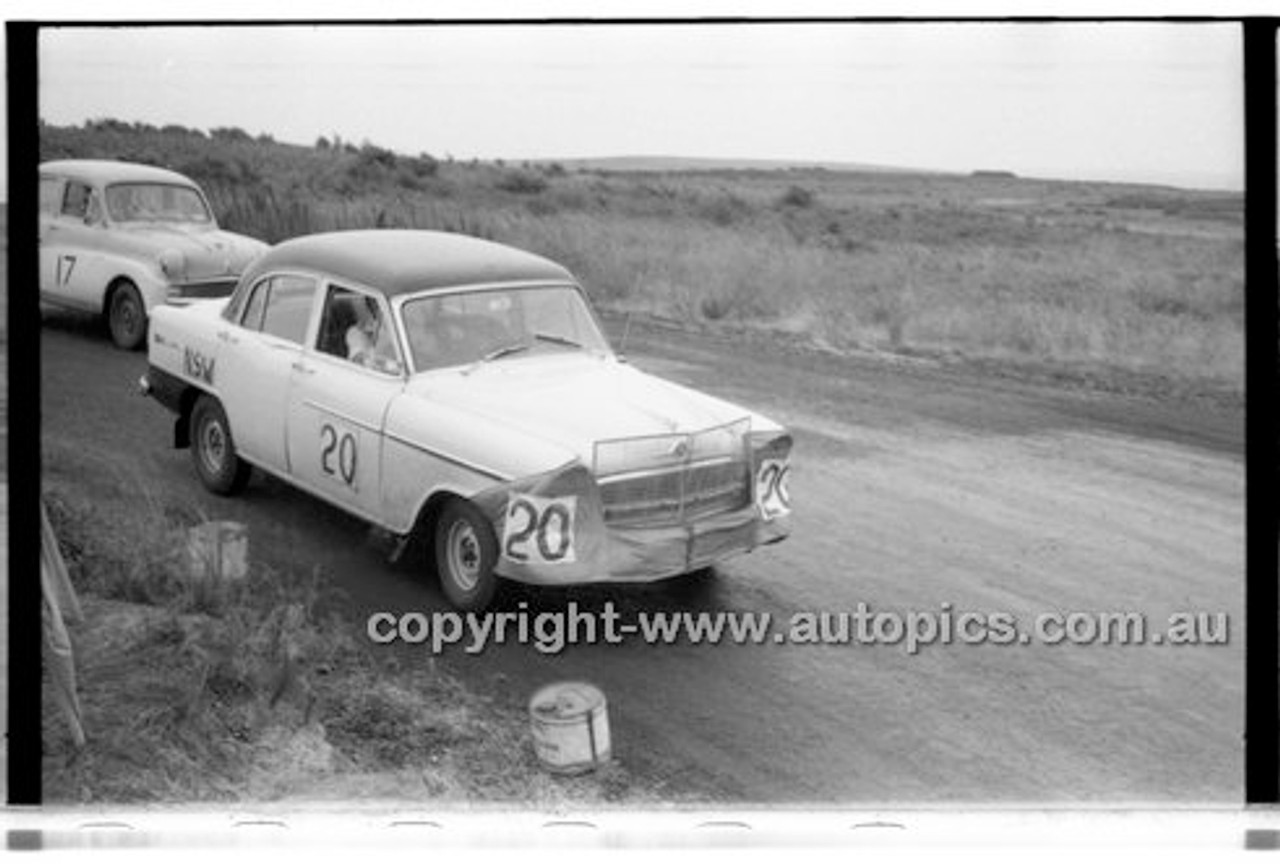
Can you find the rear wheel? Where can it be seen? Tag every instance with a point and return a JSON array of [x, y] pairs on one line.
[[213, 451], [127, 317], [466, 552]]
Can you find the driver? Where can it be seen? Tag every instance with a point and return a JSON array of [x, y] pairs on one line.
[[368, 343]]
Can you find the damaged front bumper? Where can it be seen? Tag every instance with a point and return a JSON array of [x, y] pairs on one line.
[[552, 528]]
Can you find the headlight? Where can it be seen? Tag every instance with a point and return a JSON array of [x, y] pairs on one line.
[[173, 264]]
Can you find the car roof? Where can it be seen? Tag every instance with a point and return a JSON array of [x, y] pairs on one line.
[[399, 261], [112, 171]]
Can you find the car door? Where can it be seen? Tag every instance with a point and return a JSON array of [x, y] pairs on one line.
[[69, 243], [255, 361], [338, 407]]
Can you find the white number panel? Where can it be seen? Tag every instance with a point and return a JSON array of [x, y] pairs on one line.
[[772, 496], [540, 530]]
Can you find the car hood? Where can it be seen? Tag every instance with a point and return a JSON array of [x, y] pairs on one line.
[[207, 251], [573, 400]]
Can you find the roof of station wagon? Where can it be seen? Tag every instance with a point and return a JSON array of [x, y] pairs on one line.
[[398, 261], [112, 171]]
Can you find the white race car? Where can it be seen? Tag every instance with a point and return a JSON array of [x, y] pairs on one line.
[[460, 392], [117, 239]]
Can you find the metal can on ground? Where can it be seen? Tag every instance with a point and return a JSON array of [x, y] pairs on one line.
[[570, 721]]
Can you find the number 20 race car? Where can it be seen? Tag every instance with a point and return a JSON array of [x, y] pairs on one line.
[[461, 392]]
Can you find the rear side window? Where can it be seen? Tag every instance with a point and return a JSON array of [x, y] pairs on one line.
[[257, 304], [288, 308], [50, 195]]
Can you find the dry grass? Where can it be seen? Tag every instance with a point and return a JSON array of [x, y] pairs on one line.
[[258, 689], [1139, 278]]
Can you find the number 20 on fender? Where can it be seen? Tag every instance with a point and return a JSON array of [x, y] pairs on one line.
[[539, 530]]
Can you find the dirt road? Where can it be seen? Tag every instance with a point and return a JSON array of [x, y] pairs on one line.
[[916, 489]]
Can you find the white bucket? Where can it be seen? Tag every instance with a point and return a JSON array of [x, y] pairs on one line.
[[218, 550], [570, 727]]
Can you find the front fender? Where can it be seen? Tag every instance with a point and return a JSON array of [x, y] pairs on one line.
[[151, 283], [429, 447]]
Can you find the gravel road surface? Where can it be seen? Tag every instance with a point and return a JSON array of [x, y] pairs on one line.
[[916, 489]]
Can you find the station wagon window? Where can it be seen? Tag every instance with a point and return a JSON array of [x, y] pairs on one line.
[[281, 306]]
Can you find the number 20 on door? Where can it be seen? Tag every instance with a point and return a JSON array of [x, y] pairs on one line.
[[340, 454]]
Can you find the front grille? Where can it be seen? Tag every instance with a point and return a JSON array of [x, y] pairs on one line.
[[676, 496], [688, 477]]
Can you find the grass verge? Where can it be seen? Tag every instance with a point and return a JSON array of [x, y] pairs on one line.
[[244, 691]]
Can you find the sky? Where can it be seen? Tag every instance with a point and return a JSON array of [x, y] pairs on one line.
[[1153, 102]]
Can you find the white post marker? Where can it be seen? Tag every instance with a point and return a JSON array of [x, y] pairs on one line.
[[218, 551]]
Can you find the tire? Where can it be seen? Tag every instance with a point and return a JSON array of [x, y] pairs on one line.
[[466, 552], [127, 317], [213, 451]]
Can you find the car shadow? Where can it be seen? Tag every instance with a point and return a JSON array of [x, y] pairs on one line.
[[74, 322], [698, 591]]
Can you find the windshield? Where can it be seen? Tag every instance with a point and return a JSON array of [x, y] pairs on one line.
[[484, 325], [156, 203]]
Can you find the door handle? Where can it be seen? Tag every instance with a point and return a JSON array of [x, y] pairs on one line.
[[302, 368], [228, 338]]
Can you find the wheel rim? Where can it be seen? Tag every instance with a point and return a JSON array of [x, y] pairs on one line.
[[463, 554], [126, 317], [213, 446]]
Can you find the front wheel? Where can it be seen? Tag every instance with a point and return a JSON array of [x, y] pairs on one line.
[[213, 451], [127, 317], [466, 552]]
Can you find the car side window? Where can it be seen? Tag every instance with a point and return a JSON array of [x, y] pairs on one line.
[[288, 309], [50, 195], [357, 326], [75, 201], [234, 310], [252, 318]]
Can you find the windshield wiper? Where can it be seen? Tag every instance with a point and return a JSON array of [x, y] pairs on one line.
[[557, 339], [509, 350], [512, 349], [500, 352]]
